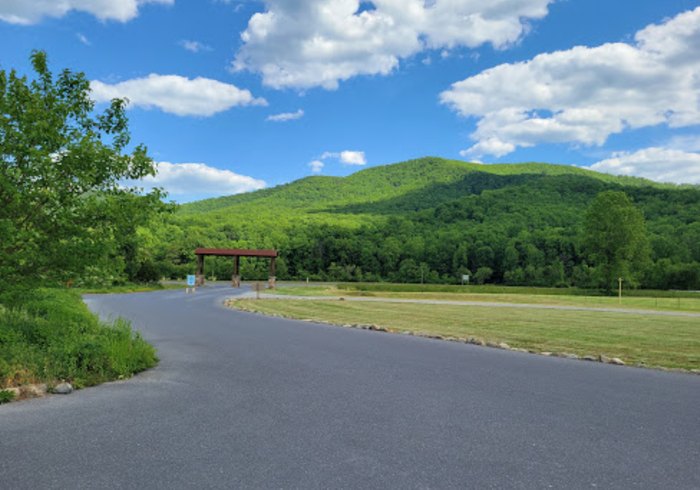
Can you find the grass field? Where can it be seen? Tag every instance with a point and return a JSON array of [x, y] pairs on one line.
[[657, 300], [638, 339], [502, 289]]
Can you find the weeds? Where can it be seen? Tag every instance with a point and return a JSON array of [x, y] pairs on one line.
[[6, 396], [50, 335]]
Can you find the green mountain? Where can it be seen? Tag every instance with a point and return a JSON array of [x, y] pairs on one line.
[[388, 181], [434, 218]]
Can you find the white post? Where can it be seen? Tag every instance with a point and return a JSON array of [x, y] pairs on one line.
[[619, 290]]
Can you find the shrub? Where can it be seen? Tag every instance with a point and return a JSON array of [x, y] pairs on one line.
[[6, 396]]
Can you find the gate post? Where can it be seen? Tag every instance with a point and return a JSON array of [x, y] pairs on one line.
[[199, 279], [271, 281], [236, 278]]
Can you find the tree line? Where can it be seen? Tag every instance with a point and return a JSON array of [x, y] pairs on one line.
[[547, 231]]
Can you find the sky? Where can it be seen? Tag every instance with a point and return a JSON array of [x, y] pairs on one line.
[[231, 96]]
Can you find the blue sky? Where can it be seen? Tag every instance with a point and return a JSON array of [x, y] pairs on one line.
[[231, 96]]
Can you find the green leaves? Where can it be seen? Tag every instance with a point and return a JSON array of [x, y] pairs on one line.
[[60, 174], [616, 238], [523, 222]]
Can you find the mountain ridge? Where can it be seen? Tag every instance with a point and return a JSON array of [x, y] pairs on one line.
[[431, 218], [401, 175]]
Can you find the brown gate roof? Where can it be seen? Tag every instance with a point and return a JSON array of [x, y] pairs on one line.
[[235, 252]]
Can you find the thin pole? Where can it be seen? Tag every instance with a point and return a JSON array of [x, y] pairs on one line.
[[619, 290]]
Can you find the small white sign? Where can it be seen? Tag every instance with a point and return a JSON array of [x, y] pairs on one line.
[[465, 278]]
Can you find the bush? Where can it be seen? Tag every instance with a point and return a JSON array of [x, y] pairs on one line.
[[50, 335], [6, 396], [483, 274]]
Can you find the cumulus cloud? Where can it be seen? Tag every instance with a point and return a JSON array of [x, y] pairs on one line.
[[177, 95], [583, 95], [28, 12], [191, 181], [194, 46], [346, 157], [286, 116], [322, 42], [490, 146], [353, 157], [316, 166], [659, 164]]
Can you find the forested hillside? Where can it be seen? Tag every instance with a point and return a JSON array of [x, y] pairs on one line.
[[433, 220]]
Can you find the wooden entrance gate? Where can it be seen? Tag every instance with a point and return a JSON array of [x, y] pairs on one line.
[[236, 253]]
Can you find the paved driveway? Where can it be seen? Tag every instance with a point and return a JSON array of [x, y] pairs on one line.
[[245, 401]]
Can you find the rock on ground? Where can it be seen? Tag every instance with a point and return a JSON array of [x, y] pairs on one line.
[[63, 389]]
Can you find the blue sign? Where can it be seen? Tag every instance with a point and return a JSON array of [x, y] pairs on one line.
[[191, 278]]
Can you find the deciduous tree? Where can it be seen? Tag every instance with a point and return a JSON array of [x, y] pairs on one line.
[[616, 238], [62, 168]]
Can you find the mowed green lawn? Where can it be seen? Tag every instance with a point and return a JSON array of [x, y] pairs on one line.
[[637, 339], [684, 302]]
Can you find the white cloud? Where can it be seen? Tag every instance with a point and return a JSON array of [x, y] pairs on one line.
[[83, 39], [27, 12], [659, 164], [346, 157], [190, 181], [286, 116], [316, 166], [194, 46], [176, 94], [583, 95], [685, 143], [353, 157], [491, 146], [322, 42]]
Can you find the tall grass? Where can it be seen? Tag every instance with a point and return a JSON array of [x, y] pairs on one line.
[[48, 335]]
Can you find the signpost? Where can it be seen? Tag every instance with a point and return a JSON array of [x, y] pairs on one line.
[[191, 281], [465, 278], [619, 290]]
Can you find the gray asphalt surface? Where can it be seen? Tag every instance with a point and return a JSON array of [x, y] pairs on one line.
[[245, 401]]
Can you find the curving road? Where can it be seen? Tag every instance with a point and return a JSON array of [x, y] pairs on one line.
[[245, 401]]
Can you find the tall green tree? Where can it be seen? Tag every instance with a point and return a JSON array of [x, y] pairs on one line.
[[62, 168], [616, 238]]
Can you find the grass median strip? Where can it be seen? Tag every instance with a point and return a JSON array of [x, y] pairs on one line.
[[653, 341]]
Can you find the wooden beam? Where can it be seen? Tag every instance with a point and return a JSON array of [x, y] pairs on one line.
[[233, 252]]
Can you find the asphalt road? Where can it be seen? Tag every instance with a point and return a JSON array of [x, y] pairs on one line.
[[245, 401]]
